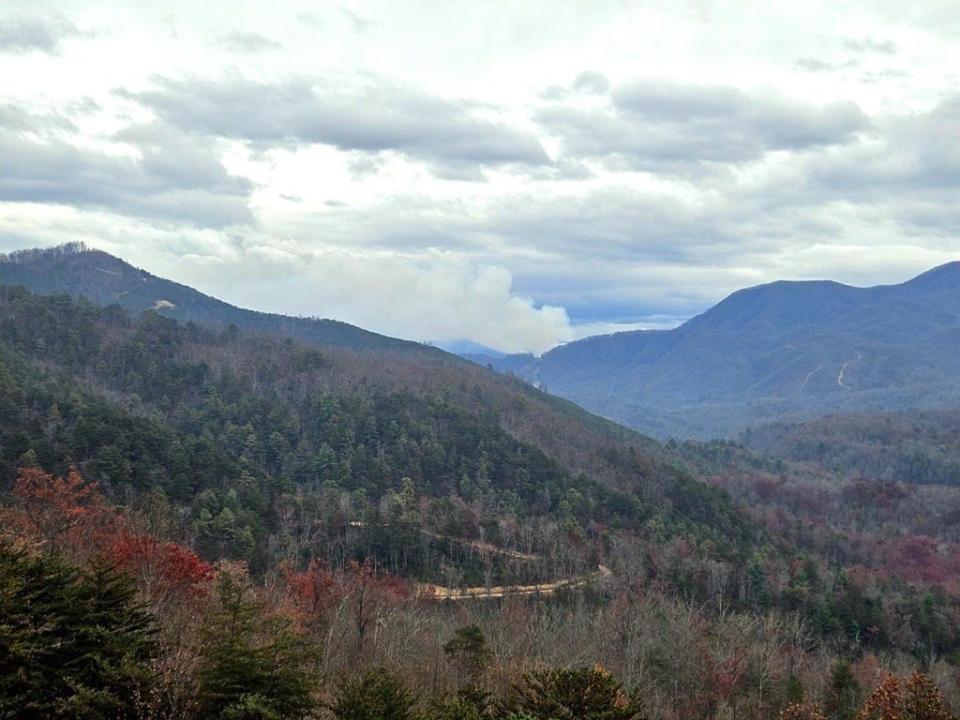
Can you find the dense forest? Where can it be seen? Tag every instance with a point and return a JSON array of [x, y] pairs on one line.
[[209, 521], [921, 447]]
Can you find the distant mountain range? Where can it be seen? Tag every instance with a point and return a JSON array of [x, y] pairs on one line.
[[782, 351]]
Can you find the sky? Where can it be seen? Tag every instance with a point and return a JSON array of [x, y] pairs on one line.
[[516, 174]]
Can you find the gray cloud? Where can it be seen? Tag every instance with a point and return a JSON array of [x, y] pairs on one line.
[[815, 65], [873, 45], [591, 82], [668, 127], [248, 43], [910, 156], [376, 117], [18, 119], [359, 23], [174, 179], [22, 34]]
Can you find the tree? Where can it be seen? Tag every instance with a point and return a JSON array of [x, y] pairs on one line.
[[369, 592], [468, 649], [573, 694], [375, 695], [843, 695], [72, 644], [470, 703], [54, 505], [251, 664], [916, 699]]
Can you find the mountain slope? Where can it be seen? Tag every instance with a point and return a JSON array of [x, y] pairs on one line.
[[104, 279], [911, 447], [786, 350], [258, 443]]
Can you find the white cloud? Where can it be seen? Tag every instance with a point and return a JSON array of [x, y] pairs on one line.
[[435, 297], [518, 175]]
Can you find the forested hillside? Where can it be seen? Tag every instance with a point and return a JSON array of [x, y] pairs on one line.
[[912, 447], [78, 271], [269, 528], [226, 425]]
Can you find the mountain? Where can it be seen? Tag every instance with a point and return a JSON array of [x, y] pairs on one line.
[[243, 433], [387, 506], [104, 279], [781, 351]]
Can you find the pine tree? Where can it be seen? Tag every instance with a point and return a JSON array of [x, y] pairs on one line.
[[375, 695], [251, 664], [843, 694], [573, 694], [114, 645], [72, 645], [468, 649]]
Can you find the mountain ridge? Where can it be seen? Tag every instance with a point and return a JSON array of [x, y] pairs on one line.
[[786, 350], [72, 269]]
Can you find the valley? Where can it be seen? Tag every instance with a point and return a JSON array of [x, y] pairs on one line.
[[379, 500]]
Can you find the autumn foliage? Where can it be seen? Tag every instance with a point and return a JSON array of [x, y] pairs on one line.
[[164, 568], [802, 711], [916, 699], [54, 506]]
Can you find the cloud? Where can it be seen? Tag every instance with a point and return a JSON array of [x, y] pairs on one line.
[[18, 119], [359, 23], [248, 43], [591, 82], [871, 45], [908, 158], [171, 177], [22, 34], [815, 65], [437, 296], [676, 128], [378, 116]]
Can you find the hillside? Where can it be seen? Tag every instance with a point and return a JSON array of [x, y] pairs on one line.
[[919, 447], [107, 280], [783, 351], [321, 509], [229, 428]]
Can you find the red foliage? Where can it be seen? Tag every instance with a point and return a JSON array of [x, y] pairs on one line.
[[164, 569], [314, 590], [54, 505]]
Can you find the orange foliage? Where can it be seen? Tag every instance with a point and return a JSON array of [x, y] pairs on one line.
[[916, 699], [53, 505]]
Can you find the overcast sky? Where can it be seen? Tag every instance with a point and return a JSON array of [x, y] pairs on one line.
[[516, 173]]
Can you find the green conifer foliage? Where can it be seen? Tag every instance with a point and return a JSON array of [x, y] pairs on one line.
[[573, 694], [375, 695], [72, 644], [252, 665]]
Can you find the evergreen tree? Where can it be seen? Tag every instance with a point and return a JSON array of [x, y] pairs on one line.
[[468, 649], [573, 694], [375, 695], [843, 695], [251, 665], [470, 703], [72, 645]]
